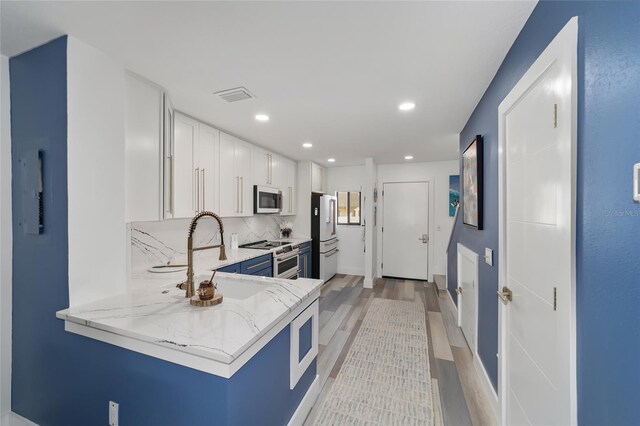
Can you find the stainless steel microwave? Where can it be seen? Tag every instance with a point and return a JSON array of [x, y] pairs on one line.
[[266, 200]]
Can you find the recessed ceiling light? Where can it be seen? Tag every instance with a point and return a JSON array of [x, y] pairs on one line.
[[307, 144], [262, 117], [331, 160], [408, 157], [406, 106]]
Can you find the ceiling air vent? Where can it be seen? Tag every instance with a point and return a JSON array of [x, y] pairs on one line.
[[235, 95]]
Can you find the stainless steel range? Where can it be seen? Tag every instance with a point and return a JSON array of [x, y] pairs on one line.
[[285, 258]]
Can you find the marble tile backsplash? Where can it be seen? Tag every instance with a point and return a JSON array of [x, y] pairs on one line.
[[156, 243]]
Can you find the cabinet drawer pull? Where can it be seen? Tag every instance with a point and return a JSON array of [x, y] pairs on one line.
[[259, 264], [204, 207]]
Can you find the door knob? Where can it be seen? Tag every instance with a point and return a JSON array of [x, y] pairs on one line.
[[506, 295], [424, 238], [459, 290]]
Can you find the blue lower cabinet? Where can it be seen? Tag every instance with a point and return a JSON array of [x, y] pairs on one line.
[[305, 263], [232, 269]]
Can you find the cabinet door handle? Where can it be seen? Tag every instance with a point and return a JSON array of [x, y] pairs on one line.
[[241, 194], [198, 189], [268, 168], [203, 191], [237, 194], [170, 201]]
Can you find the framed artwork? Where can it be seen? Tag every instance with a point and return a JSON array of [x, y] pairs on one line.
[[454, 194], [472, 174]]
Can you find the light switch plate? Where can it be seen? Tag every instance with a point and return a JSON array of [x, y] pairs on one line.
[[636, 183], [488, 256], [113, 413]]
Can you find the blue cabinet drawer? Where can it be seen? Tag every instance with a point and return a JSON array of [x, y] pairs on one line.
[[251, 266], [232, 269]]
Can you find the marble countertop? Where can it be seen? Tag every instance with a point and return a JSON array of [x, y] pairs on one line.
[[212, 262], [155, 311]]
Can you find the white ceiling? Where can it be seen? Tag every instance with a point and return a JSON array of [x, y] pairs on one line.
[[332, 73]]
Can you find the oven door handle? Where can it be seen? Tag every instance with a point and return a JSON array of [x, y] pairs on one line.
[[282, 259]]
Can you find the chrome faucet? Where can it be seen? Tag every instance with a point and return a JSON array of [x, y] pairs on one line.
[[189, 285]]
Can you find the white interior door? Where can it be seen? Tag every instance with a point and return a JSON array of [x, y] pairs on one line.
[[468, 294], [537, 199], [405, 233]]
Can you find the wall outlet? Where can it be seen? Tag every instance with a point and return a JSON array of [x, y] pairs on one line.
[[113, 413], [488, 256]]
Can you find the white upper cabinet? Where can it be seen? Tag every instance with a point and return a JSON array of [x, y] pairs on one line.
[[236, 177], [205, 160], [266, 168], [317, 178], [183, 172], [192, 168], [288, 178], [143, 149]]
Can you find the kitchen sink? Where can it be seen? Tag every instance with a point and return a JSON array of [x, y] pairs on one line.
[[233, 288]]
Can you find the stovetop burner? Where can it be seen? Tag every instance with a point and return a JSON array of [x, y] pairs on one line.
[[264, 245]]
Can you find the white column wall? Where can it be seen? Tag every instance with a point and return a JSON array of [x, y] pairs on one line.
[[96, 169], [5, 240]]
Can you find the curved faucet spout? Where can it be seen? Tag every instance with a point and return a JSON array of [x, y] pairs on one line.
[[190, 249]]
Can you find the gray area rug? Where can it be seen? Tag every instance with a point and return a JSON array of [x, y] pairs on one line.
[[385, 377]]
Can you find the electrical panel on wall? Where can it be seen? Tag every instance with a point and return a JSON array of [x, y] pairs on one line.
[[32, 219]]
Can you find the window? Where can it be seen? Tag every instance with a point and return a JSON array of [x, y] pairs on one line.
[[348, 208]]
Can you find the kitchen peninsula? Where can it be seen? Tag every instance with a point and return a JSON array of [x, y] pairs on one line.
[[262, 340]]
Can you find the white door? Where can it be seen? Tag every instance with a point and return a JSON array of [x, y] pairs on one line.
[[229, 179], [243, 159], [287, 186], [537, 222], [468, 294], [405, 232], [184, 173], [261, 166], [206, 162]]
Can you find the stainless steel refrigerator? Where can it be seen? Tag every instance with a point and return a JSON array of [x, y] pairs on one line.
[[324, 212]]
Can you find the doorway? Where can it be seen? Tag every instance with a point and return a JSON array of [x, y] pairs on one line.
[[405, 230], [537, 175]]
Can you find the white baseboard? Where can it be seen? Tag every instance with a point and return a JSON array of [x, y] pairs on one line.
[[13, 419], [368, 283], [306, 404], [488, 387], [351, 271]]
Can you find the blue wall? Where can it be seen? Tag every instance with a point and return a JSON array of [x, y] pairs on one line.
[[61, 378], [608, 222]]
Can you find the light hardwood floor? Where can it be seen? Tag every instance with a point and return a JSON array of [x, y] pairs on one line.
[[343, 305]]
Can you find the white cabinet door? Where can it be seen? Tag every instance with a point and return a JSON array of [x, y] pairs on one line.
[[184, 173], [288, 172], [206, 161], [229, 179], [243, 160], [168, 158], [261, 166], [276, 171], [143, 150], [317, 178]]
